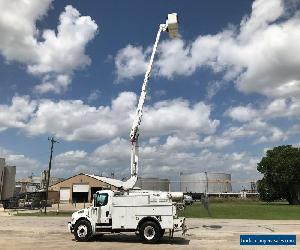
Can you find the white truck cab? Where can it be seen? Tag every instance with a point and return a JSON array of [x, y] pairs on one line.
[[148, 214]]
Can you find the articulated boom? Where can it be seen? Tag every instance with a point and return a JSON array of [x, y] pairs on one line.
[[134, 134], [171, 27]]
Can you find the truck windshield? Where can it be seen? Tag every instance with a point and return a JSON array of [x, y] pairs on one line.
[[101, 200]]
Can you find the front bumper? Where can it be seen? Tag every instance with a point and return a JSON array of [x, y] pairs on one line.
[[70, 227]]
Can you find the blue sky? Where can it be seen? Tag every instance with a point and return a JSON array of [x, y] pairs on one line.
[[220, 95]]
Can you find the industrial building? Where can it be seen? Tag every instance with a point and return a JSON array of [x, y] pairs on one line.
[[201, 183], [35, 183], [80, 188], [7, 180], [153, 184]]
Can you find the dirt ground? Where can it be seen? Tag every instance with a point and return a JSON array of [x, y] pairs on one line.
[[29, 232]]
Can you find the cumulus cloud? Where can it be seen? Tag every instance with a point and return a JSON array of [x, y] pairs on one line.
[[178, 116], [55, 84], [52, 55], [166, 158], [94, 96], [106, 158], [24, 165], [270, 109], [130, 62], [74, 120], [18, 113], [282, 107], [262, 131], [242, 113], [114, 156], [18, 28], [258, 55]]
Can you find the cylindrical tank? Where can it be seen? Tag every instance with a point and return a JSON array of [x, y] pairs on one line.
[[2, 164], [154, 184], [9, 182], [205, 183]]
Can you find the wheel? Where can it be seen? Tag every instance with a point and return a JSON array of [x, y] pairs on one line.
[[150, 232], [82, 230]]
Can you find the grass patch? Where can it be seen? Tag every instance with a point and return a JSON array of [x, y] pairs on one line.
[[48, 214], [244, 210]]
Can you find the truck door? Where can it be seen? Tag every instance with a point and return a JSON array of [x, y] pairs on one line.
[[101, 211]]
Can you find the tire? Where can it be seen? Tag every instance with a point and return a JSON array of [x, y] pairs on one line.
[[150, 232], [83, 230]]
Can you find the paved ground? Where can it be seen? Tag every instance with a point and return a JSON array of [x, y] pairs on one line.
[[51, 233]]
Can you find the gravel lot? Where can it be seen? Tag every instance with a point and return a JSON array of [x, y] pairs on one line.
[[31, 232]]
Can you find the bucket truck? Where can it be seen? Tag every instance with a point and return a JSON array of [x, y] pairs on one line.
[[147, 213]]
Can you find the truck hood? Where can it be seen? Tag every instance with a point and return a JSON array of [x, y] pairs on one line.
[[79, 213]]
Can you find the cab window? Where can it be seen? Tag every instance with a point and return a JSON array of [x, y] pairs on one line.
[[101, 200]]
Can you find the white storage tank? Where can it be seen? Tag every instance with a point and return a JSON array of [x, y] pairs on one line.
[[203, 182], [153, 184]]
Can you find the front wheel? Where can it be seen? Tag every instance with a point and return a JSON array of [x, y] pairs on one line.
[[82, 230], [150, 232]]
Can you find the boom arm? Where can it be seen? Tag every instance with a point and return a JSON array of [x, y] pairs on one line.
[[171, 27], [134, 134], [139, 111]]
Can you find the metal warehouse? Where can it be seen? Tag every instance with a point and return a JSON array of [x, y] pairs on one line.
[[205, 183]]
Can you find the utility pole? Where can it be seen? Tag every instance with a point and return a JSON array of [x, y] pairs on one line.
[[52, 140], [180, 180]]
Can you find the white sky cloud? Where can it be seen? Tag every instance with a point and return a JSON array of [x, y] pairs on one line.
[[50, 54], [74, 120], [114, 156], [241, 113], [17, 114], [256, 129], [24, 165], [269, 109], [259, 55], [94, 96], [130, 62]]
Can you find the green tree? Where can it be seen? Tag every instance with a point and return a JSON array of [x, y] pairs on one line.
[[281, 170]]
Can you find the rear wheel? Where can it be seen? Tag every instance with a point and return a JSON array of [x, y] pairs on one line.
[[150, 232], [82, 230]]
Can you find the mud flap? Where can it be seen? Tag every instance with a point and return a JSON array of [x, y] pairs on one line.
[[184, 227], [171, 234]]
